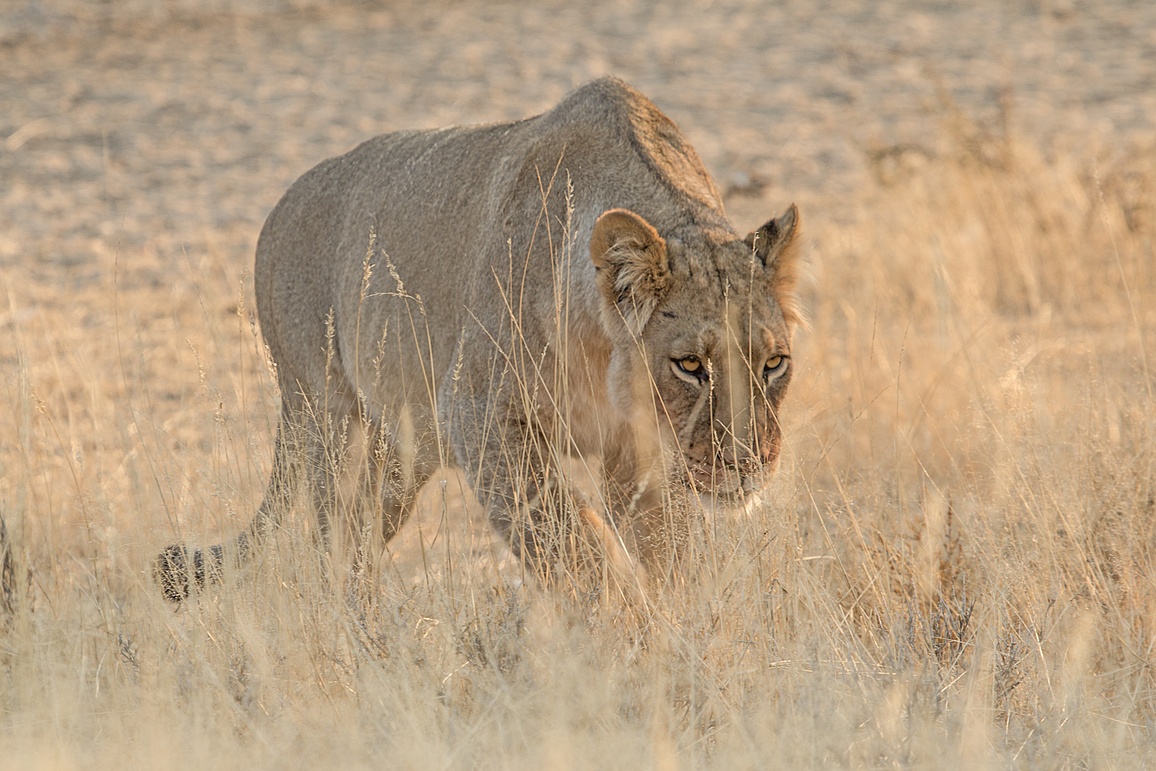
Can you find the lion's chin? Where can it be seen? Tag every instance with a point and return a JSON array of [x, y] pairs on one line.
[[741, 504], [728, 492]]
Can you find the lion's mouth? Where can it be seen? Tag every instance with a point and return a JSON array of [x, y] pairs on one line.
[[724, 481]]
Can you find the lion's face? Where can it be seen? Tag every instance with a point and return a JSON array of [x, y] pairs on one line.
[[720, 363], [707, 324]]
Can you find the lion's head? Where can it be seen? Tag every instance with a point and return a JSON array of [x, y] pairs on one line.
[[701, 324]]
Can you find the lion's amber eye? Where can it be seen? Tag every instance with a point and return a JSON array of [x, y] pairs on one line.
[[690, 367], [774, 366]]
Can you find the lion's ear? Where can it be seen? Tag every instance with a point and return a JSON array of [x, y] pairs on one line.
[[776, 245], [632, 269]]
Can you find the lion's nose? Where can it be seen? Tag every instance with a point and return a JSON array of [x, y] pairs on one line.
[[751, 466], [735, 450]]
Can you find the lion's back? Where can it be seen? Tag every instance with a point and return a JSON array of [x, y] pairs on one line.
[[446, 210]]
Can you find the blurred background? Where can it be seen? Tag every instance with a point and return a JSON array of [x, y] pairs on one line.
[[960, 554]]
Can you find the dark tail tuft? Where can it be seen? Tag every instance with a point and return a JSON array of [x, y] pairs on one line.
[[180, 571]]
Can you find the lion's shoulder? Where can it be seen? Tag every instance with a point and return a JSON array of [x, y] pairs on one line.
[[607, 118]]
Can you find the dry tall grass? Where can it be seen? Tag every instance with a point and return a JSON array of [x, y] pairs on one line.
[[957, 566]]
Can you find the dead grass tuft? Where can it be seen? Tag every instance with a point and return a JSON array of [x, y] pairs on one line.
[[958, 561]]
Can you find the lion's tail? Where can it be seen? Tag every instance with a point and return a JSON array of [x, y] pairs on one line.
[[181, 570]]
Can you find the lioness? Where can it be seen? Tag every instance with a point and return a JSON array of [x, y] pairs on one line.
[[433, 286]]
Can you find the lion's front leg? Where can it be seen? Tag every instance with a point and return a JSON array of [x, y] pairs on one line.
[[653, 520], [549, 505], [511, 469]]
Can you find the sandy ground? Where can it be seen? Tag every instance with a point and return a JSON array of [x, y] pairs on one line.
[[121, 127], [142, 144]]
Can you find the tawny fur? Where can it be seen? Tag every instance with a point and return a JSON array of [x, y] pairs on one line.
[[500, 296]]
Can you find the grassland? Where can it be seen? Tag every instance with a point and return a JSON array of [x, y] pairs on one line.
[[957, 565]]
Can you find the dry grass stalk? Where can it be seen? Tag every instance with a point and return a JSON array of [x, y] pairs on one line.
[[959, 556]]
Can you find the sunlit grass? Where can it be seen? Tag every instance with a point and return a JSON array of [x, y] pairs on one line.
[[957, 561]]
